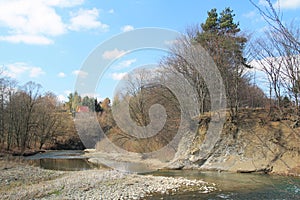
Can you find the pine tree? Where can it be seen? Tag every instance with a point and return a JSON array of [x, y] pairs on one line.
[[211, 23], [220, 37], [226, 23]]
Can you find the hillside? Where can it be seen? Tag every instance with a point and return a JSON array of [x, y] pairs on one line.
[[257, 143]]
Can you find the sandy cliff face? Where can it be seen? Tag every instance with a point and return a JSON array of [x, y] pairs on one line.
[[253, 144]]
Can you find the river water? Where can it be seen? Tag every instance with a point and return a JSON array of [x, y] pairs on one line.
[[230, 185], [66, 160], [238, 186]]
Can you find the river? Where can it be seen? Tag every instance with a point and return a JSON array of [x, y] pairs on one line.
[[66, 160], [239, 186], [230, 185]]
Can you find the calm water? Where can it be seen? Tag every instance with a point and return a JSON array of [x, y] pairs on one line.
[[230, 185], [71, 160]]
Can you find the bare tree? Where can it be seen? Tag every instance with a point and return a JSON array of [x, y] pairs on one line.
[[22, 106], [47, 120], [266, 55], [278, 54], [190, 57], [143, 130], [27, 118], [2, 105], [273, 18], [8, 89], [183, 59]]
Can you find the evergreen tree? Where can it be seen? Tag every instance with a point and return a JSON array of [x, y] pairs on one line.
[[220, 37], [98, 108], [211, 23], [89, 102], [226, 23]]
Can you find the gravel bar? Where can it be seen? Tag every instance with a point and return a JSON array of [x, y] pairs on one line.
[[28, 182]]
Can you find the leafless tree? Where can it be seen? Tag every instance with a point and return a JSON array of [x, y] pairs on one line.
[[278, 55], [190, 57], [22, 106], [182, 60], [142, 130], [47, 119], [133, 92], [2, 104], [8, 90], [28, 118], [273, 17]]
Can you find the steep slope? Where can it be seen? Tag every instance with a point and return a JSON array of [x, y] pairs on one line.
[[253, 144]]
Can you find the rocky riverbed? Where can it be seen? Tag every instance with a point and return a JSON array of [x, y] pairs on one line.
[[20, 181]]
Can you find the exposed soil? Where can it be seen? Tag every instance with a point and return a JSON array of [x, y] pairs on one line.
[[256, 143]]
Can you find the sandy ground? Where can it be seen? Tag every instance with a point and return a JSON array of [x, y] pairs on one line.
[[135, 162]]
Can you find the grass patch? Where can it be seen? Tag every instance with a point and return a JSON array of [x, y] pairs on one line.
[[56, 192]]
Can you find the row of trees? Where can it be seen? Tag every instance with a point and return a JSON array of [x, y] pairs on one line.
[[31, 118], [277, 52], [220, 37], [169, 85], [231, 50], [28, 118]]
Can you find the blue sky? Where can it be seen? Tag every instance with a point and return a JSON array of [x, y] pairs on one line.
[[47, 41]]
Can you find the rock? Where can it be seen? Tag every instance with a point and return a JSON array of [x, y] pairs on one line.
[[89, 150]]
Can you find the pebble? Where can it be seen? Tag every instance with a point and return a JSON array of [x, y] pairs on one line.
[[91, 184]]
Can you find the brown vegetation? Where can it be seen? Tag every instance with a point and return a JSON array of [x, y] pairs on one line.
[[31, 120]]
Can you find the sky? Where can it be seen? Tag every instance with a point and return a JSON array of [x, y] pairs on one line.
[[48, 41]]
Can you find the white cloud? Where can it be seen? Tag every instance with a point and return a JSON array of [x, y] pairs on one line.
[[67, 92], [27, 39], [35, 72], [287, 4], [124, 64], [61, 75], [64, 3], [62, 98], [118, 76], [127, 28], [111, 11], [80, 73], [112, 54], [87, 19], [37, 21], [15, 70], [30, 21]]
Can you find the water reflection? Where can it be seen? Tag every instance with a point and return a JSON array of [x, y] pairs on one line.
[[71, 160], [64, 164]]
